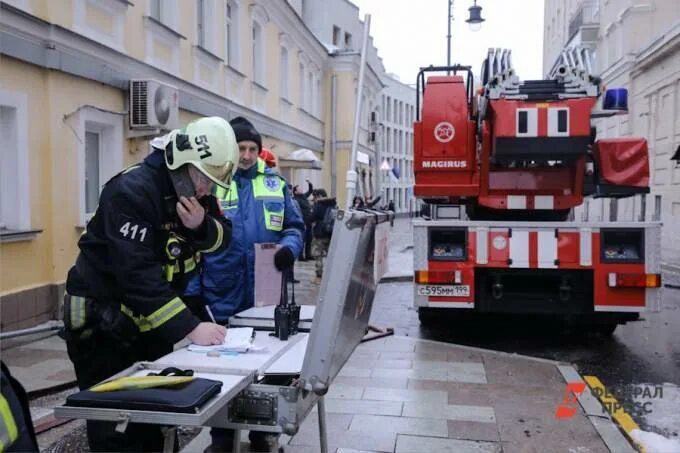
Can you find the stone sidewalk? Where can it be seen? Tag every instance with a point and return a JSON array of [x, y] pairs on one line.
[[404, 395], [399, 394]]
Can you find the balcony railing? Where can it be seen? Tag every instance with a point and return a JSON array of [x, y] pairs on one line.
[[587, 14]]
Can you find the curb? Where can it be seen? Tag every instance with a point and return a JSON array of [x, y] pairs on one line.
[[510, 355], [598, 416]]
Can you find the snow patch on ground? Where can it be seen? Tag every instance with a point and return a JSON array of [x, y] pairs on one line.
[[655, 443]]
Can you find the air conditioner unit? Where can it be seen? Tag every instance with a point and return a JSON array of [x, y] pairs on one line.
[[153, 105]]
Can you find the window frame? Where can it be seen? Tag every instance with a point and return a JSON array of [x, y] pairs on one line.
[[19, 199], [257, 53], [231, 34], [109, 126], [284, 72]]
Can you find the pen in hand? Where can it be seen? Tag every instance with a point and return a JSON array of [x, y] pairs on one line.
[[212, 318]]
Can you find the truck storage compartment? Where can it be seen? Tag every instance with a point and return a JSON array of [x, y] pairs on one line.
[[557, 291], [622, 166], [448, 244], [623, 245]]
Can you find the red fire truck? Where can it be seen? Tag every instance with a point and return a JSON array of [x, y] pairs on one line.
[[501, 171]]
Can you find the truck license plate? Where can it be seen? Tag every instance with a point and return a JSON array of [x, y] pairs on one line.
[[454, 291]]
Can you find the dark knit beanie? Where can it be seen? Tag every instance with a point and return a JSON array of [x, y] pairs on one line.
[[244, 130]]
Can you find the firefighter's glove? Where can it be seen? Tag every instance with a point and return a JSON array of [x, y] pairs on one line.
[[190, 212], [284, 259]]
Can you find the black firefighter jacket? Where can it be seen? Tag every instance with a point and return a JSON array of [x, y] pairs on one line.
[[135, 254]]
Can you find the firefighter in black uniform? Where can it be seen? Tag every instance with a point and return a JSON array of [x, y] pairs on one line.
[[16, 427], [121, 304]]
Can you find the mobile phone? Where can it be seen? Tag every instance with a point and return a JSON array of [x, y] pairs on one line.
[[182, 182]]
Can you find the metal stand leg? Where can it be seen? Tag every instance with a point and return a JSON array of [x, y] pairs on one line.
[[169, 433], [323, 439], [236, 447]]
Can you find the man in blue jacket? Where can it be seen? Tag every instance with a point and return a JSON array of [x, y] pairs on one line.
[[261, 210]]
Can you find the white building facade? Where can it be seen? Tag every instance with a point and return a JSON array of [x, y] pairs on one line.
[[638, 48], [396, 144]]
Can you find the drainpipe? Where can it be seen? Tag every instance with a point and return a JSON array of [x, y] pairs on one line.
[[351, 178], [334, 133]]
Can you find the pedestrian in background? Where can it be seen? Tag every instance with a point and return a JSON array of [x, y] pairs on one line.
[[302, 199], [322, 228]]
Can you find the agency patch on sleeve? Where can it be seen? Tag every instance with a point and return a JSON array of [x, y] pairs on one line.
[[134, 230]]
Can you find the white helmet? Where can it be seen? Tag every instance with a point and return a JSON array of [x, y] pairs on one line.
[[209, 144]]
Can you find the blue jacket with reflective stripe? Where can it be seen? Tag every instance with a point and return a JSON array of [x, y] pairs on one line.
[[227, 279]]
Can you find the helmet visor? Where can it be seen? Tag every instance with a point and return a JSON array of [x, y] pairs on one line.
[[219, 174]]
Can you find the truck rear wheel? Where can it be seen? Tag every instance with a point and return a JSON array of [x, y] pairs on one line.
[[429, 317], [606, 330]]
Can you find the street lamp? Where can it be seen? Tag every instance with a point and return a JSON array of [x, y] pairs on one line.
[[474, 21]]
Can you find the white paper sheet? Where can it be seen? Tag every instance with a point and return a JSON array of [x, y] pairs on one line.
[[237, 339]]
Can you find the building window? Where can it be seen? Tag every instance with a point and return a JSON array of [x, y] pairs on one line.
[[231, 47], [348, 40], [310, 92], [156, 10], [258, 57], [92, 159], [101, 156], [14, 176], [284, 73], [336, 36], [205, 25], [301, 78], [318, 97], [201, 29], [228, 34]]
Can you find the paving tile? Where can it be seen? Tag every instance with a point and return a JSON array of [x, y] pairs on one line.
[[531, 425], [380, 363], [419, 444], [25, 357], [392, 383], [400, 425], [507, 393], [385, 394], [392, 345], [431, 356], [482, 414], [351, 450], [469, 393], [345, 392], [359, 440], [427, 346], [460, 429], [463, 355], [436, 374], [366, 407], [479, 394], [431, 365], [334, 422], [353, 371], [467, 372], [509, 370], [363, 354]]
